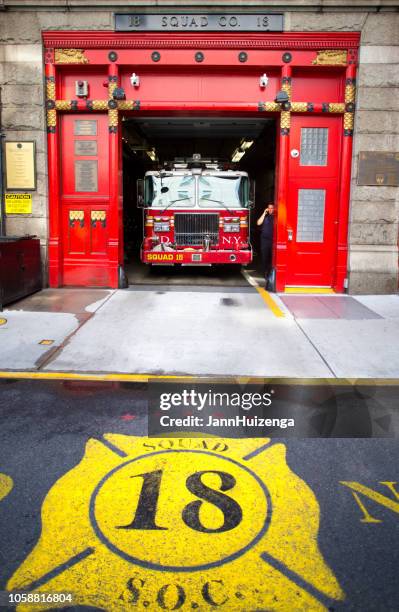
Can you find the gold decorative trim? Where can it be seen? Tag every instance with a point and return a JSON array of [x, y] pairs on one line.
[[299, 107], [285, 119], [112, 85], [113, 118], [331, 57], [350, 93], [336, 107], [70, 56], [98, 215], [348, 121], [63, 105], [271, 107], [51, 118], [287, 88], [125, 105], [128, 104], [76, 215], [50, 89], [100, 105]]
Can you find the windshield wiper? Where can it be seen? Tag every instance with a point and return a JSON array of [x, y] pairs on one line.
[[219, 202], [172, 202]]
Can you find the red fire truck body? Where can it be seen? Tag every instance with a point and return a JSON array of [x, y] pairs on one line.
[[196, 214]]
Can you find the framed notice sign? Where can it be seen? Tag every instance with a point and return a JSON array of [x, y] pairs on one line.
[[20, 165]]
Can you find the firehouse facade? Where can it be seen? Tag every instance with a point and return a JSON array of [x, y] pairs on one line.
[[336, 211]]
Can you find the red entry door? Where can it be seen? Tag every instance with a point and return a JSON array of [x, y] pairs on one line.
[[312, 205], [85, 199]]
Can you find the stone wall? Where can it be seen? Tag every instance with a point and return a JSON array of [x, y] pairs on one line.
[[373, 259], [22, 91]]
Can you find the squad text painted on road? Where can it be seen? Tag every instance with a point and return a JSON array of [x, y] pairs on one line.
[[181, 524]]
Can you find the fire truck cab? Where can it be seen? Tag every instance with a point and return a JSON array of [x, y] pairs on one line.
[[196, 212]]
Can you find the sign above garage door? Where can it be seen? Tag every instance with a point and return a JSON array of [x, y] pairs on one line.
[[231, 22]]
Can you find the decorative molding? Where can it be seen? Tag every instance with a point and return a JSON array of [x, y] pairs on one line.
[[350, 90], [51, 113], [98, 215], [49, 56], [271, 107], [336, 107], [113, 121], [283, 41], [261, 106], [285, 122], [331, 57], [129, 105], [63, 105], [99, 105], [76, 215], [299, 107], [348, 124], [70, 56]]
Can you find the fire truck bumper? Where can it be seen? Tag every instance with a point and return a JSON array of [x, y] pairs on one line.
[[197, 257]]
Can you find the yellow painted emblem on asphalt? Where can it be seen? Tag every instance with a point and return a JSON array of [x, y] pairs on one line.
[[181, 524], [6, 485]]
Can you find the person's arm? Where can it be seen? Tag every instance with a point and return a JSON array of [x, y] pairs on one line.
[[262, 217]]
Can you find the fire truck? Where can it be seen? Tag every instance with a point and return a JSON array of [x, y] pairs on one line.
[[196, 212]]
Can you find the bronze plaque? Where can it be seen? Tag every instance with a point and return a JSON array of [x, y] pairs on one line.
[[20, 165], [378, 168], [85, 147], [85, 127], [86, 175]]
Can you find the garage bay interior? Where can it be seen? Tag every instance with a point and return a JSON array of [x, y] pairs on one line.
[[240, 143]]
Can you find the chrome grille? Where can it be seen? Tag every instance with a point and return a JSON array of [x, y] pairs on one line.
[[191, 228]]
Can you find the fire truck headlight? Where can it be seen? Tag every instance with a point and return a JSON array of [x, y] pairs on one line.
[[161, 226], [231, 227]]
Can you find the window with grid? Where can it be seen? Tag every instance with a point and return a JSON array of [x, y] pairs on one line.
[[314, 146], [310, 224]]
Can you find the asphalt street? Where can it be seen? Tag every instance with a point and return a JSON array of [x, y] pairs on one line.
[[328, 545]]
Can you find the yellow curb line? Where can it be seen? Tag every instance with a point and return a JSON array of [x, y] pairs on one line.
[[265, 295], [94, 377], [310, 290], [270, 302], [242, 379]]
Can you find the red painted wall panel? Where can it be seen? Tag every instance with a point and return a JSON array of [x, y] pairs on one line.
[[201, 85]]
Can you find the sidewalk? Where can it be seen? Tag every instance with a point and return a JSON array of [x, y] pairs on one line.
[[202, 331]]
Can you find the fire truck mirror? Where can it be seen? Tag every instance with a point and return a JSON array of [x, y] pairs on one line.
[[140, 193], [251, 199]]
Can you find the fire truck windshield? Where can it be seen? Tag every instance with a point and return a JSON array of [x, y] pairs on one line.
[[180, 192], [193, 191], [214, 191]]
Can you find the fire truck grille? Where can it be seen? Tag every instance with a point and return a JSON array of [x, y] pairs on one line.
[[192, 228]]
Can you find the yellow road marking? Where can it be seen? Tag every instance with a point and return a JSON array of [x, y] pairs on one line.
[[181, 523], [145, 377], [276, 310], [6, 485], [308, 290], [265, 295], [46, 342], [384, 501], [91, 376], [3, 321]]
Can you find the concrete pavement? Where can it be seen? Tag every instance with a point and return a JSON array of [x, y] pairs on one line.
[[207, 330]]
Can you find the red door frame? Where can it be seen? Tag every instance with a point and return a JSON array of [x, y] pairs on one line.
[[114, 53]]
